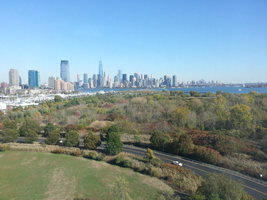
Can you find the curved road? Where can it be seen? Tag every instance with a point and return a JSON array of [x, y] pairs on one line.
[[255, 187]]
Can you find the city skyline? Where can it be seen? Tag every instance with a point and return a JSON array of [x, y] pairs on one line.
[[224, 41]]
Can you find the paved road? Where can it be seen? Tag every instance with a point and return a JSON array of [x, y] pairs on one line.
[[254, 187]]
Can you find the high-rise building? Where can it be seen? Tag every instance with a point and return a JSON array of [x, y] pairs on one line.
[[124, 78], [13, 77], [120, 75], [85, 78], [65, 71], [100, 75], [34, 78], [174, 81]]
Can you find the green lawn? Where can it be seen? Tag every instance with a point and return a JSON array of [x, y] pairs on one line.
[[33, 175]]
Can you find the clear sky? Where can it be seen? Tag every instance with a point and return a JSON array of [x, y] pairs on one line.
[[224, 40]]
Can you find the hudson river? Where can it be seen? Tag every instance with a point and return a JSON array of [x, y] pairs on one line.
[[236, 90]]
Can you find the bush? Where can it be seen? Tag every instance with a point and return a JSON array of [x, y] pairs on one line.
[[58, 151], [121, 161], [95, 156], [76, 153], [4, 148]]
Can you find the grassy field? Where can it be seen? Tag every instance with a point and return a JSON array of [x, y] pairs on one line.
[[34, 175]]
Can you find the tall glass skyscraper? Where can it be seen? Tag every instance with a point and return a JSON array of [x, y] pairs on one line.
[[100, 75], [65, 71], [34, 78]]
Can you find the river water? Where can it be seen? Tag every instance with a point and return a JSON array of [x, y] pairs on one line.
[[233, 90]]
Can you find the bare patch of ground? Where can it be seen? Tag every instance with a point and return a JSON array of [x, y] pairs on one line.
[[99, 124], [156, 183], [61, 186]]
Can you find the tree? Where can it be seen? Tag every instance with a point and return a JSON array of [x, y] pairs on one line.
[[30, 136], [9, 135], [72, 139], [150, 154], [29, 124], [114, 144], [219, 186], [240, 116], [120, 190], [179, 115], [53, 137], [183, 146], [91, 141], [48, 128], [194, 94], [58, 98], [159, 140], [10, 124]]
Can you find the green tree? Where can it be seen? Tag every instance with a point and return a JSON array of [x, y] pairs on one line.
[[53, 137], [91, 141], [9, 135], [72, 139], [114, 144], [240, 116], [159, 140], [183, 146], [30, 136], [10, 124], [29, 124], [194, 94], [219, 186], [58, 98], [120, 190], [49, 128]]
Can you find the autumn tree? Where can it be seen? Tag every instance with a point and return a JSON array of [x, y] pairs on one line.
[[183, 146], [240, 116], [179, 116], [91, 141]]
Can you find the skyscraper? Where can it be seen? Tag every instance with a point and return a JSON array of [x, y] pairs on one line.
[[13, 77], [34, 78], [174, 81], [65, 71], [120, 75], [100, 75], [85, 78]]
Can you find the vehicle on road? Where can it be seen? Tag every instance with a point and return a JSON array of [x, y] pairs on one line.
[[177, 163]]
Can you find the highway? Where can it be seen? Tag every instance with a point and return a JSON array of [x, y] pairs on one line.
[[255, 187]]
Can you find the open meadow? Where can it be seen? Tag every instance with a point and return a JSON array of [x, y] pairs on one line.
[[35, 175]]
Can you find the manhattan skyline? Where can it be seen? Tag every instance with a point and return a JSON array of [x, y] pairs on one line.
[[211, 40]]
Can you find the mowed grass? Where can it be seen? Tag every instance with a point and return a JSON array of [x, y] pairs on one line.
[[34, 175]]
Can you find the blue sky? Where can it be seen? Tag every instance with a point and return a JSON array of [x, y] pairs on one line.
[[222, 40]]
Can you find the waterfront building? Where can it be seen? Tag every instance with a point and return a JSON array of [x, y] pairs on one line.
[[34, 78], [174, 81], [65, 71], [85, 78], [13, 77]]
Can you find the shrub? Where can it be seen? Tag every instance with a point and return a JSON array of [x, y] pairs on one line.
[[58, 151], [76, 153], [121, 161], [4, 148]]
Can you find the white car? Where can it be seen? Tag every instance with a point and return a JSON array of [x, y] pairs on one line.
[[177, 163]]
